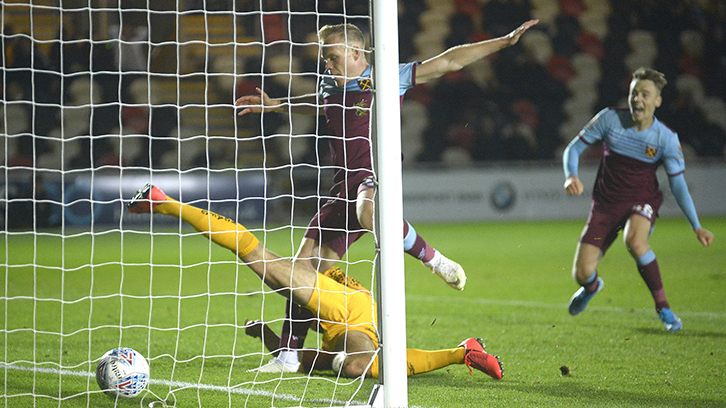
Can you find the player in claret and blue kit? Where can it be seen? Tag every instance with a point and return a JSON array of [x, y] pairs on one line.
[[344, 97], [626, 194]]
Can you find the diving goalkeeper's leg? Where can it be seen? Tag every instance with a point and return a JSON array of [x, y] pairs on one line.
[[275, 271], [470, 352]]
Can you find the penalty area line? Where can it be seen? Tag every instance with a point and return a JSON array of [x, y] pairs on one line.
[[186, 385]]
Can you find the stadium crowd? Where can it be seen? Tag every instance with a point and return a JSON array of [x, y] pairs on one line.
[[527, 105], [520, 104]]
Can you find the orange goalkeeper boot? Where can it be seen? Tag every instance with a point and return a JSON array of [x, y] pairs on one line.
[[146, 199], [476, 357]]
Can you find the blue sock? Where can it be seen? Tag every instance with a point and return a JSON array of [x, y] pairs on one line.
[[591, 284], [646, 258]]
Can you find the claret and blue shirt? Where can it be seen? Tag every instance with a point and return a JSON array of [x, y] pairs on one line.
[[630, 159]]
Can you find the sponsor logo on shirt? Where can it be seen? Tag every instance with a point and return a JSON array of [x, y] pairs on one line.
[[362, 105]]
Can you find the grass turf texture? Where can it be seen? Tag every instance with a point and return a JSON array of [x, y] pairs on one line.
[[616, 352]]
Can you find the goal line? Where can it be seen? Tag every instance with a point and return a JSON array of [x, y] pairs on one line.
[[179, 385]]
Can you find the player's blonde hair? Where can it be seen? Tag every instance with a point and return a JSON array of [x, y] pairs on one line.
[[650, 74], [347, 33]]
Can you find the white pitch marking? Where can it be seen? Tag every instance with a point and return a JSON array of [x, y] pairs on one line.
[[563, 306], [182, 384]]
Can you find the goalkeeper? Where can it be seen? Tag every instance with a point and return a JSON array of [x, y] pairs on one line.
[[345, 98], [346, 312]]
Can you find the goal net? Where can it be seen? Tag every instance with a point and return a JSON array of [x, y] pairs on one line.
[[100, 98]]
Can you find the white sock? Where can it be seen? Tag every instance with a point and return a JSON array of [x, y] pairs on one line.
[[289, 357], [432, 262]]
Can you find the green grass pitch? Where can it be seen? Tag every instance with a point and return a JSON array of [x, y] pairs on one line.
[[65, 301]]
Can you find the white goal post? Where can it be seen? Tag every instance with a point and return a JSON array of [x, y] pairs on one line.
[[392, 305], [101, 97]]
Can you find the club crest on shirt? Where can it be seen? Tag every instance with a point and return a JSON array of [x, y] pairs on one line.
[[361, 107], [651, 151], [364, 84]]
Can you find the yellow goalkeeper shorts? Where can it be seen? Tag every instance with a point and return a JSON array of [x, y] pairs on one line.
[[341, 308]]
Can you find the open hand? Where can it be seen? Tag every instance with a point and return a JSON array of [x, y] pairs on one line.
[[513, 37], [256, 103]]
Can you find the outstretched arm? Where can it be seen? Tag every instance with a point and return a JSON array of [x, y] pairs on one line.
[[260, 330], [305, 104], [460, 56], [684, 200]]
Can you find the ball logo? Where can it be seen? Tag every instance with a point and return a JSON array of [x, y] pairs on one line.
[[128, 357], [122, 372]]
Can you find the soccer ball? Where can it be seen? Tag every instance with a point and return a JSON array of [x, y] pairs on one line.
[[122, 372]]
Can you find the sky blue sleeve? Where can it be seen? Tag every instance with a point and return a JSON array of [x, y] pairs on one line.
[[591, 133], [673, 158], [684, 200], [571, 156], [406, 78], [598, 126]]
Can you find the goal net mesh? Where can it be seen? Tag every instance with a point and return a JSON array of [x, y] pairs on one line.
[[100, 98]]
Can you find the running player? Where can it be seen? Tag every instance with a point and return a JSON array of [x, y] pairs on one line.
[[346, 313], [626, 194], [345, 92]]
